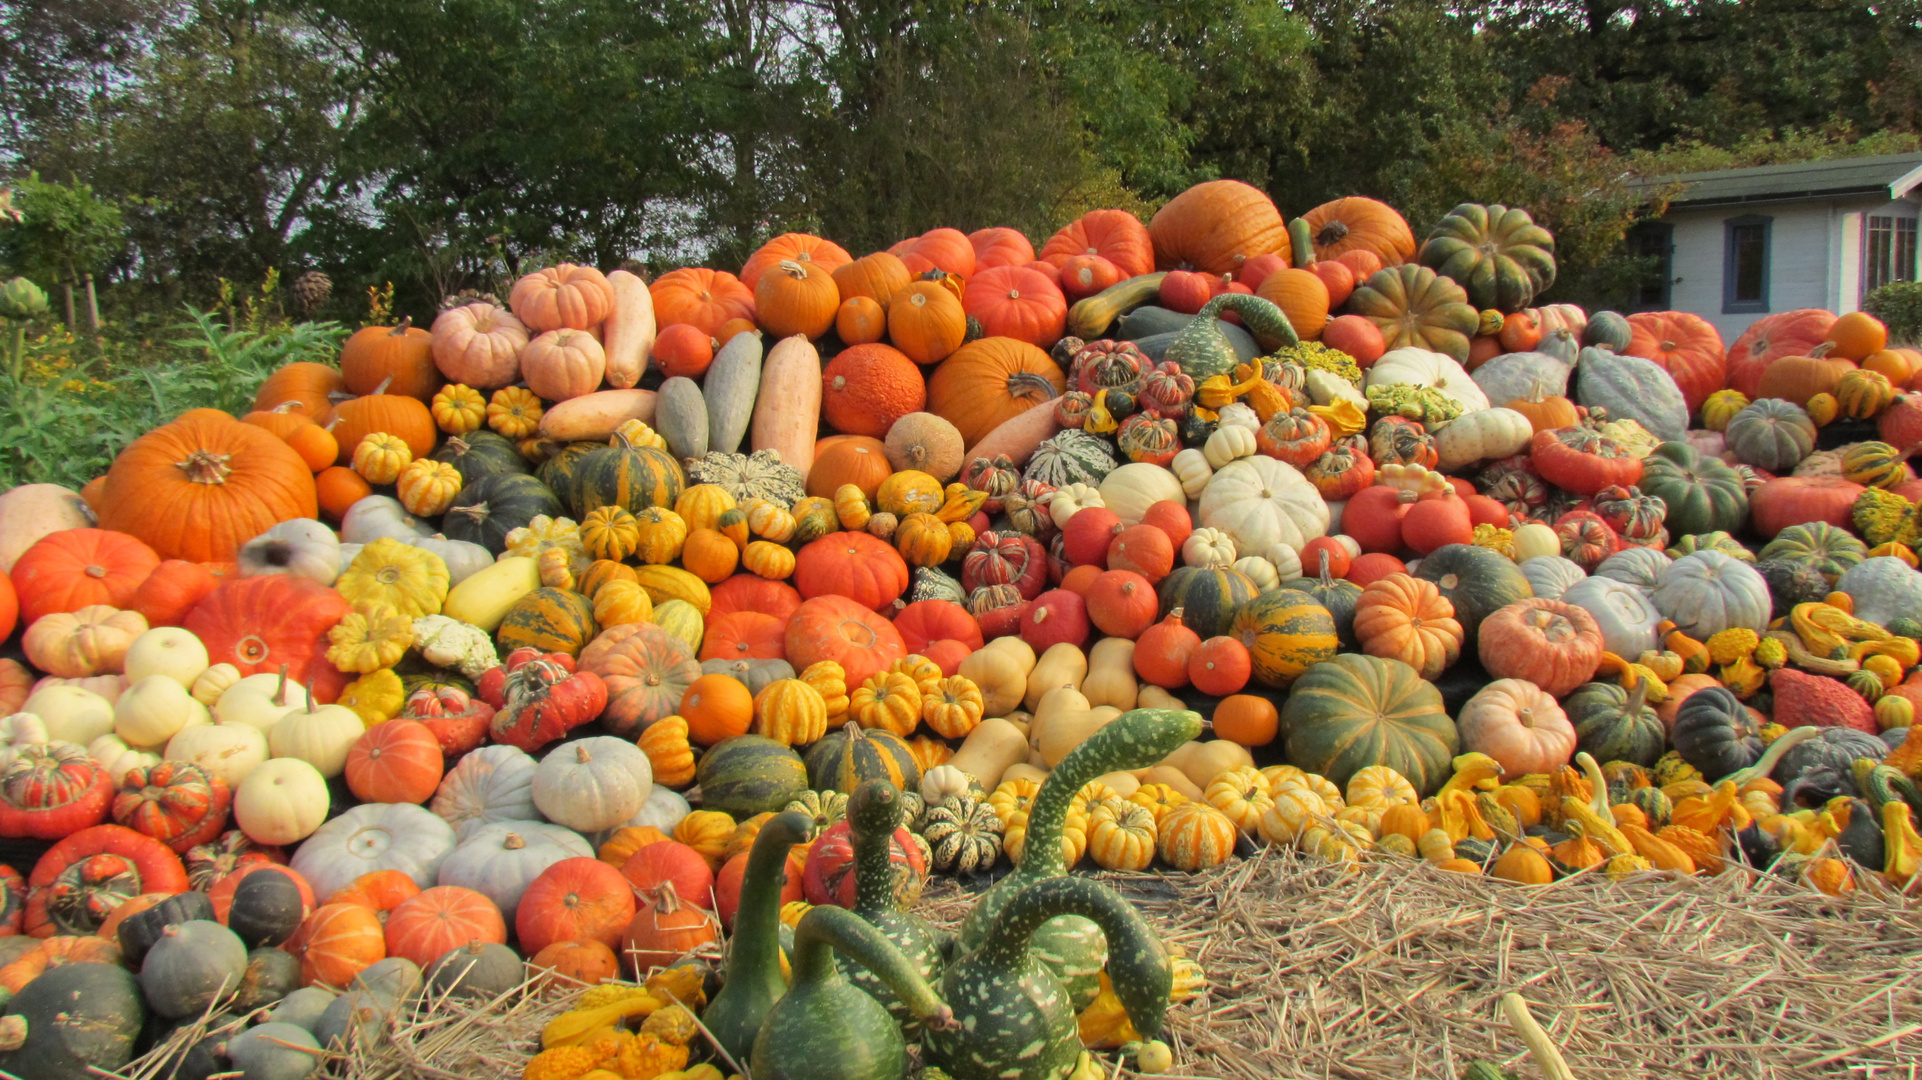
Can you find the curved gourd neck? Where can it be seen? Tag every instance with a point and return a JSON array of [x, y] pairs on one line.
[[1138, 967], [756, 951], [825, 929], [1137, 739], [874, 812]]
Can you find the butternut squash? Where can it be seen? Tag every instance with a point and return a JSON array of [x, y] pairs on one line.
[[1001, 671], [731, 383], [1018, 436], [1022, 719], [1201, 762], [989, 750], [1091, 316], [1150, 696], [1174, 778], [1123, 784], [787, 411], [1025, 771], [1036, 761], [1111, 674], [681, 417], [593, 417], [1070, 729], [628, 334], [1062, 699], [1063, 664]]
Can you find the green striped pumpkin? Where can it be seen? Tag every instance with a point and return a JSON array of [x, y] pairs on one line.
[[1354, 711], [563, 470], [1209, 599], [479, 454], [1479, 581], [627, 476], [1613, 724], [853, 754], [1702, 493], [1071, 456], [1286, 633], [487, 510], [749, 775], [1828, 550], [1338, 595], [551, 620]]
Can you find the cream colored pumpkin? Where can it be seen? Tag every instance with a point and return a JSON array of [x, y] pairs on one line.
[[1070, 498], [214, 682], [1480, 436], [76, 644], [1260, 571], [1326, 388], [1235, 414], [281, 802], [70, 713], [154, 710], [169, 651], [1228, 444], [1192, 468], [1208, 549], [320, 735], [1261, 502], [21, 729], [1419, 367], [115, 756], [228, 749], [1286, 561], [593, 784], [259, 701], [943, 781], [302, 547], [1536, 539], [1519, 725], [1129, 491], [31, 511]]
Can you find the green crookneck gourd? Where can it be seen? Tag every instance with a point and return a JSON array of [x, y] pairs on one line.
[[754, 980], [1201, 349], [1135, 740], [874, 813], [1016, 1021], [825, 1027]]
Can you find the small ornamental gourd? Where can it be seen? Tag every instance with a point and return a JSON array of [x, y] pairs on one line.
[[754, 980], [964, 834], [874, 815]]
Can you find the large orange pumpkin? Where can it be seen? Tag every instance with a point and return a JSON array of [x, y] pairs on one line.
[[866, 388], [1115, 235], [306, 386], [796, 298], [200, 487], [851, 565], [337, 942], [1302, 296], [794, 247], [1686, 346], [442, 918], [76, 568], [926, 321], [1215, 226], [394, 414], [988, 382], [401, 356], [1360, 224], [1017, 302], [877, 277], [572, 900], [999, 246], [703, 297], [258, 624], [1799, 378], [838, 629], [1771, 337], [937, 249]]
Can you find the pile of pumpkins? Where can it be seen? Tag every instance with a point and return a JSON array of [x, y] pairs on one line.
[[510, 641]]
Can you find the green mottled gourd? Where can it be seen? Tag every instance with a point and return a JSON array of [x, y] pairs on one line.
[[874, 812], [1016, 1021], [754, 980], [825, 1027], [1884, 784], [1201, 349]]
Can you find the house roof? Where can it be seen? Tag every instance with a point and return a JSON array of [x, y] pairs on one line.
[[1894, 175]]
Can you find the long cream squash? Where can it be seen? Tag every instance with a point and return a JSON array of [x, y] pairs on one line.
[[628, 333], [787, 409], [593, 417]]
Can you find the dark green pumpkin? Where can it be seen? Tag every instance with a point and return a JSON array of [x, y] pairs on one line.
[[1495, 252], [271, 975], [631, 477], [139, 931], [561, 471], [191, 965], [480, 454], [1703, 494], [1479, 581], [749, 775], [1338, 595], [1354, 711], [1828, 550], [845, 758], [80, 1017], [303, 1008], [486, 511], [551, 620], [1286, 633], [1613, 724], [1715, 733], [267, 909], [274, 1052], [1208, 599], [1607, 330], [1791, 583], [478, 970]]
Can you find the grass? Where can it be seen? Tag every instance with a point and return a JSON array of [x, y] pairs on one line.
[[76, 403]]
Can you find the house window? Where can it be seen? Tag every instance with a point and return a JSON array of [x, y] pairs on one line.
[[1654, 243], [1745, 273], [1888, 252]]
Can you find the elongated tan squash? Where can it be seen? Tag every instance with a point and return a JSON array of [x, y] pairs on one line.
[[730, 387], [1060, 701], [787, 410], [1068, 730], [627, 337], [1026, 770], [1018, 436], [1201, 762], [1064, 664], [1174, 778], [1111, 674], [1001, 671], [990, 750], [681, 417], [593, 417]]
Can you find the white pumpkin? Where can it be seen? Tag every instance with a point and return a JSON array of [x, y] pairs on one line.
[[1349, 544], [1129, 491], [1208, 549], [169, 651], [1413, 366], [1641, 567], [494, 783], [301, 547], [1286, 561], [1552, 575], [31, 511], [214, 682], [1709, 591], [154, 710], [1884, 589], [1236, 414], [462, 558], [1326, 388], [1069, 498], [1261, 502], [1624, 613], [22, 728], [117, 757], [944, 781], [592, 784], [320, 735], [1193, 469], [378, 516], [1535, 540], [70, 713], [281, 802], [1260, 571], [1480, 436], [109, 687], [230, 750], [501, 860], [663, 809], [1228, 444], [375, 836], [259, 701]]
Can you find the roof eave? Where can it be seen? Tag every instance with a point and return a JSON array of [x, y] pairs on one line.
[[1759, 198]]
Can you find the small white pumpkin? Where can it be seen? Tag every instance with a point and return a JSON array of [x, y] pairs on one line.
[[1480, 436], [259, 701], [378, 516], [214, 682], [1286, 561], [1552, 575], [943, 781], [592, 784], [229, 750], [1191, 467], [301, 547], [22, 728], [375, 836], [70, 713], [281, 802], [494, 783], [1260, 571], [1069, 498], [1535, 540], [154, 710], [169, 651], [1883, 588], [663, 809], [462, 558], [1235, 414], [1129, 491], [1413, 366], [1261, 502], [320, 735], [115, 756], [1225, 445], [1208, 549]]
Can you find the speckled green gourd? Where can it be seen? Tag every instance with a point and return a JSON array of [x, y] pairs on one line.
[[1015, 1019], [826, 1028], [1201, 349], [754, 980], [874, 812]]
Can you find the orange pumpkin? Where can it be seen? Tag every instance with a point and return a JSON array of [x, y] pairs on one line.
[[665, 929], [315, 444], [581, 961], [337, 490], [944, 249], [401, 356], [866, 388], [1684, 345], [395, 414], [562, 297], [1799, 378], [988, 382], [305, 387], [1214, 226], [395, 761], [878, 277], [1408, 619], [382, 890], [683, 350], [1857, 335], [1017, 302], [836, 628], [857, 459], [337, 942], [706, 298], [926, 321], [1357, 223], [861, 320], [443, 918], [1302, 296], [716, 708], [576, 899], [999, 246], [1115, 235], [77, 568], [796, 298], [826, 255], [1247, 719]]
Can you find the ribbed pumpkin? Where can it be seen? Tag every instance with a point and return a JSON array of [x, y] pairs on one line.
[[1702, 493], [628, 476], [1195, 836], [551, 620], [1478, 581], [1285, 632], [201, 486], [846, 758], [1355, 711], [1208, 598]]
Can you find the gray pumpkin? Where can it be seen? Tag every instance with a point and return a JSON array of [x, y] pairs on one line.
[[192, 964], [1835, 748], [1521, 376], [274, 1052], [478, 970], [303, 1008], [1632, 388]]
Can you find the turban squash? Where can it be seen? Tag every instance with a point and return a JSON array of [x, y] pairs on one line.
[[200, 487]]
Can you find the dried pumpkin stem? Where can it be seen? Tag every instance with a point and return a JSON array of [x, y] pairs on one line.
[[206, 467]]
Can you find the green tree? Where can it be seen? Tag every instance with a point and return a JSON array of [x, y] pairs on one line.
[[65, 234]]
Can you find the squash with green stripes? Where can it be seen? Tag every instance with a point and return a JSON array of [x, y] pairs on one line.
[[664, 583], [1354, 711], [551, 620], [628, 476], [846, 758], [1286, 632], [749, 775], [1824, 548], [1208, 598], [680, 618], [561, 472]]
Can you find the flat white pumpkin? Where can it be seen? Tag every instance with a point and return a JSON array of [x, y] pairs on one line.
[[1420, 367], [1260, 502], [281, 802], [494, 783], [1480, 436], [593, 784], [1130, 490], [1552, 575], [1624, 613], [375, 836], [1709, 591], [1884, 588]]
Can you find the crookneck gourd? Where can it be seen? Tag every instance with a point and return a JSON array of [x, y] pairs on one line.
[[1200, 349], [1015, 1020], [1073, 947], [874, 813], [754, 980], [826, 1028]]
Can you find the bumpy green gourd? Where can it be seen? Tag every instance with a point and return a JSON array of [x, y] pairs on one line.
[[824, 1027], [1883, 784], [1015, 1019], [1201, 349], [754, 980], [874, 813], [1423, 403]]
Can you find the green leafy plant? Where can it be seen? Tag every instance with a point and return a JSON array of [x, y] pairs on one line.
[[1899, 305]]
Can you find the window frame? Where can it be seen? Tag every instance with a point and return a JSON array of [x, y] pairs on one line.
[[1666, 270], [1896, 223], [1731, 305]]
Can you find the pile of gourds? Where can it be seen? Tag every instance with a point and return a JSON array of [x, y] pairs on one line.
[[603, 616]]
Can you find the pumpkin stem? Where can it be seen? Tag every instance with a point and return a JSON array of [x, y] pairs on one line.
[[1332, 233], [1030, 384], [382, 388], [400, 328], [203, 466], [793, 269], [514, 842], [280, 692]]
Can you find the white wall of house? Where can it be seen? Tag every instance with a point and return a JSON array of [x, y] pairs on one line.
[[1815, 256]]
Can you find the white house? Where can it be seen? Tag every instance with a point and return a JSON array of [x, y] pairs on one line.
[[1737, 244]]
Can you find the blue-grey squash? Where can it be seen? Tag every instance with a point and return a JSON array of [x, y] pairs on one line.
[[680, 416], [275, 1051], [729, 389], [1521, 376], [192, 964], [303, 1007], [1632, 388], [271, 975]]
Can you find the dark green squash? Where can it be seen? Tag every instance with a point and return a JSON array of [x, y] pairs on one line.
[[139, 931], [78, 1017], [1702, 493], [274, 1052], [1861, 839], [480, 454], [1823, 547], [271, 975], [561, 471], [846, 758], [754, 981], [628, 476], [551, 620], [486, 511], [477, 971], [1607, 330], [304, 1007], [1208, 599], [1286, 632], [1613, 724], [1355, 711], [1791, 582], [749, 775], [874, 813], [192, 964], [1338, 595], [267, 909], [1716, 733], [1479, 581], [1495, 252]]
